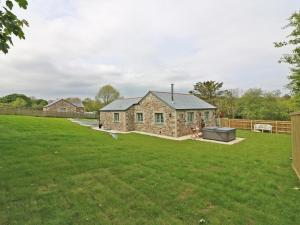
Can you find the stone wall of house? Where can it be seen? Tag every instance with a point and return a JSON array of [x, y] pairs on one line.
[[149, 106], [107, 120], [130, 119], [61, 106], [175, 121], [79, 109], [184, 127]]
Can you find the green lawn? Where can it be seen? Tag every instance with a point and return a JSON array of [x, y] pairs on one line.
[[53, 171]]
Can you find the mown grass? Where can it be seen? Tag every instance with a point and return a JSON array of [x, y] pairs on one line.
[[55, 172]]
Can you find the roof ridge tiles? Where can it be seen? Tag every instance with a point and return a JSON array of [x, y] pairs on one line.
[[181, 101], [166, 92], [128, 98]]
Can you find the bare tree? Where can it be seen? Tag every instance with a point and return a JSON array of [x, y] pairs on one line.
[[107, 94]]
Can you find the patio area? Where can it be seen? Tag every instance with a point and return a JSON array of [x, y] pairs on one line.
[[94, 126]]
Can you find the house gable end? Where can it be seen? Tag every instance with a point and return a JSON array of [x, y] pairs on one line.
[[60, 104], [161, 100], [62, 100]]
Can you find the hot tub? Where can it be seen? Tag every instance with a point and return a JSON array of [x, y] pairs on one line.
[[224, 134]]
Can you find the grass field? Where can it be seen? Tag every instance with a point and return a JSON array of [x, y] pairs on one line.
[[55, 172]]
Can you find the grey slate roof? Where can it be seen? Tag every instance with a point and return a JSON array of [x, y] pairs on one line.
[[51, 102], [77, 104], [181, 101], [121, 104]]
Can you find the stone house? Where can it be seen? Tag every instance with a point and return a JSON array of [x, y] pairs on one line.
[[66, 106], [163, 113]]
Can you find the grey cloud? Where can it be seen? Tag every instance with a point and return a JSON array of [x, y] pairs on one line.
[[138, 45]]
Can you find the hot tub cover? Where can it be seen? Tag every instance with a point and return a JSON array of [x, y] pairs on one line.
[[219, 129]]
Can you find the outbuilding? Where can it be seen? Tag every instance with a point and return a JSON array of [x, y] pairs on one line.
[[64, 106]]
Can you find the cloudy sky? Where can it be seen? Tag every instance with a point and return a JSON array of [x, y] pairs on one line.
[[73, 47]]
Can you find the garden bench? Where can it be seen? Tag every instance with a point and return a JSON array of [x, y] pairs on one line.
[[262, 127]]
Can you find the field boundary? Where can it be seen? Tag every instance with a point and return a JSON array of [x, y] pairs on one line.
[[297, 174], [296, 142], [244, 124], [40, 113]]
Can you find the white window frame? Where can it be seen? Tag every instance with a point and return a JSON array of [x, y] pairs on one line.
[[162, 119], [206, 116], [137, 117], [192, 118], [114, 117]]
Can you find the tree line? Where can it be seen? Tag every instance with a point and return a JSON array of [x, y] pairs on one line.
[[104, 96], [253, 103], [22, 101]]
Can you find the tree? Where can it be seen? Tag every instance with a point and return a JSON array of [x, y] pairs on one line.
[[274, 107], [73, 100], [91, 105], [10, 24], [293, 59], [19, 103], [8, 99], [259, 104], [107, 94], [207, 90], [250, 104], [227, 103], [38, 103]]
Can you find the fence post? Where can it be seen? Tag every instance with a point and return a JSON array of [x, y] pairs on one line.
[[276, 127], [228, 122], [251, 124]]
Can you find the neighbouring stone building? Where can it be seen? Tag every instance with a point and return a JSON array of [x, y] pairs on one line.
[[65, 106], [163, 113]]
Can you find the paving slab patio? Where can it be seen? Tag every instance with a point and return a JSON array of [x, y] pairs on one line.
[[182, 138], [237, 140]]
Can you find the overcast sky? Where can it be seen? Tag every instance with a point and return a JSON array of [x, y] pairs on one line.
[[73, 47]]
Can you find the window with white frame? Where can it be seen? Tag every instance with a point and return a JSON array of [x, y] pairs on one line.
[[139, 118], [116, 117], [190, 117], [159, 118], [206, 116]]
